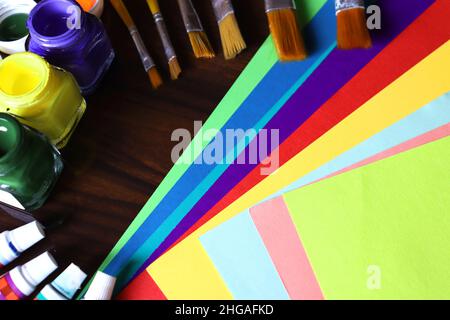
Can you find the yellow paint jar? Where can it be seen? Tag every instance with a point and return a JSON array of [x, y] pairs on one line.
[[41, 96]]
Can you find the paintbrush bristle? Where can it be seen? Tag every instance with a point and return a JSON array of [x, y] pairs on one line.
[[174, 68], [200, 45], [155, 78], [286, 35], [231, 37], [352, 29]]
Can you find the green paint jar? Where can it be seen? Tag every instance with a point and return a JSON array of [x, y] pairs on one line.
[[13, 27], [29, 165], [13, 24]]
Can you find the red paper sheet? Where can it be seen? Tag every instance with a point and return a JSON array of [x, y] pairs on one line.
[[142, 288]]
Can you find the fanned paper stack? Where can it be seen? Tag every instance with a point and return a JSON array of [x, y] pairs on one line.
[[352, 202]]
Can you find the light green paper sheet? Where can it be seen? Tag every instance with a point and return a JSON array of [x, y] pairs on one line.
[[381, 231], [255, 71]]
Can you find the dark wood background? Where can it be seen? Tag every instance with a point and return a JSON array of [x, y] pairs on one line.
[[121, 149]]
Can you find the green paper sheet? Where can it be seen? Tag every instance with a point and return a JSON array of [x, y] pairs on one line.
[[381, 231], [260, 64]]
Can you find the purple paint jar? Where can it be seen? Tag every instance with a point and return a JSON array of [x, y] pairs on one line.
[[67, 37]]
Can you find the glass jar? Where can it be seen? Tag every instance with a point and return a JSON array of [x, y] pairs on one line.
[[29, 165], [67, 37], [13, 24], [41, 96]]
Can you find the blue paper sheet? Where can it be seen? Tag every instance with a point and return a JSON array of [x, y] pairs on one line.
[[239, 254]]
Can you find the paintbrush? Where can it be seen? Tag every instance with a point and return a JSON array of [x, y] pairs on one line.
[[172, 59], [146, 59], [352, 29], [285, 30], [232, 41], [197, 36]]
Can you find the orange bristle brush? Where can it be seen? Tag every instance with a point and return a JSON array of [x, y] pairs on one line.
[[352, 32], [147, 61], [285, 31], [197, 36]]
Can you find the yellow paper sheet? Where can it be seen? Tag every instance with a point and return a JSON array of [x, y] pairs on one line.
[[178, 272], [197, 280]]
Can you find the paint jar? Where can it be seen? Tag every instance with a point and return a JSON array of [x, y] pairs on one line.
[[21, 281], [29, 165], [94, 7], [67, 37], [41, 96], [13, 243], [64, 286], [13, 24]]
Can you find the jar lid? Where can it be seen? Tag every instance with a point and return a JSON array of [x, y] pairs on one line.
[[15, 7]]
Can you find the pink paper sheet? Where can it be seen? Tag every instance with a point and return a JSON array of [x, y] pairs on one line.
[[274, 224]]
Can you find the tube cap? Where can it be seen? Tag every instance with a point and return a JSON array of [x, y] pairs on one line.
[[27, 235], [7, 254], [69, 281], [39, 268], [101, 288], [49, 293]]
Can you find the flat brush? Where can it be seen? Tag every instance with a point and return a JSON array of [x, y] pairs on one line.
[[197, 36], [172, 59], [285, 31], [232, 41], [352, 29], [146, 59]]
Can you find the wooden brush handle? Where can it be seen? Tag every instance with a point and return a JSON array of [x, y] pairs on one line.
[[120, 8], [190, 16]]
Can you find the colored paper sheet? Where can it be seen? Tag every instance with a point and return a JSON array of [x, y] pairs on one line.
[[259, 66], [241, 258], [328, 78], [428, 137], [269, 96], [144, 288], [274, 224], [381, 231], [423, 83], [417, 87], [430, 117], [430, 30], [198, 280]]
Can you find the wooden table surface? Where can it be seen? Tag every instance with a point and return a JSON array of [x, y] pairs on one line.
[[121, 150]]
